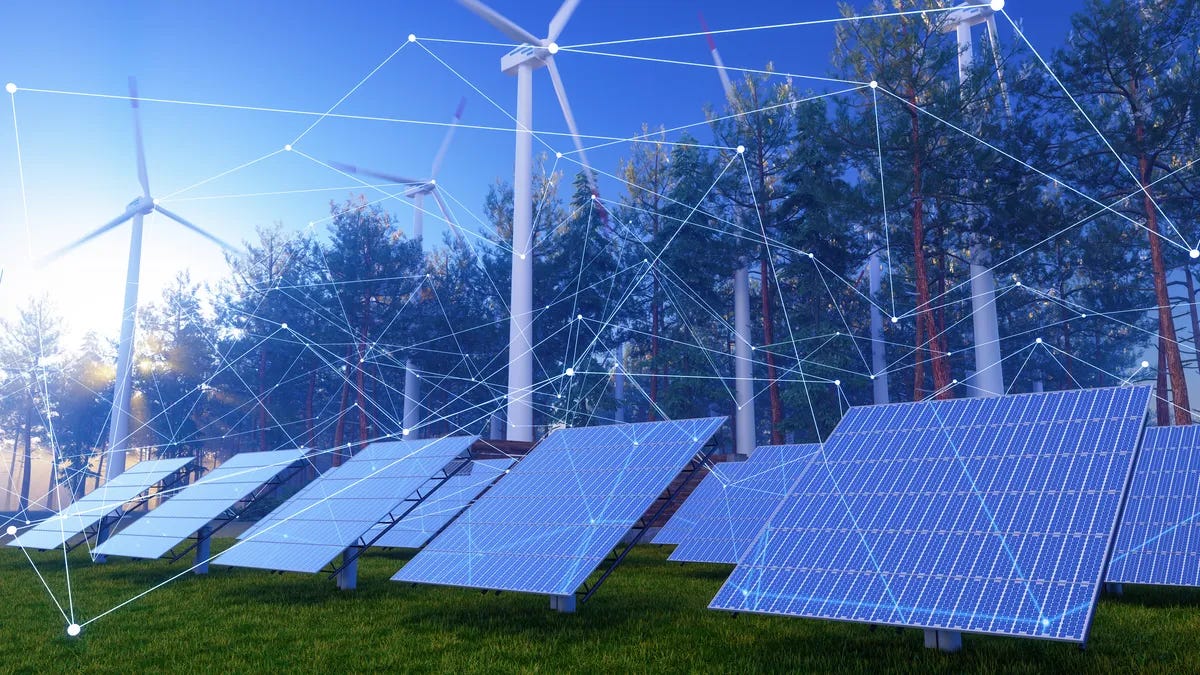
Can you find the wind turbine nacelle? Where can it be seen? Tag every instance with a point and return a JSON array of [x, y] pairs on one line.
[[422, 189], [967, 16], [141, 205], [533, 55]]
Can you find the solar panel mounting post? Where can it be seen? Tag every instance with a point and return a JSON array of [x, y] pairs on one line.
[[563, 603], [943, 640], [203, 549], [347, 576]]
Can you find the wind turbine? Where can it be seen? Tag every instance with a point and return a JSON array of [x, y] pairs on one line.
[[418, 191], [989, 370], [531, 54], [743, 364], [136, 210]]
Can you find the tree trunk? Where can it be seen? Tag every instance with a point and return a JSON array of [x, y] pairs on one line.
[[1161, 409], [27, 474], [1191, 289], [339, 430], [919, 364]]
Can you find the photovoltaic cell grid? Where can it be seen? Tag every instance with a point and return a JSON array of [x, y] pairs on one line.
[[547, 525], [89, 510], [333, 512], [979, 515], [195, 506], [443, 505], [1158, 542], [722, 517]]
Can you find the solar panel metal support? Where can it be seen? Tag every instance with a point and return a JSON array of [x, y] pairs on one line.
[[643, 524], [1115, 589], [203, 549], [943, 640], [347, 574], [563, 603]]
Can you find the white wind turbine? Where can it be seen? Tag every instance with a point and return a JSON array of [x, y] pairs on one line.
[[137, 210], [418, 191], [531, 54], [743, 364]]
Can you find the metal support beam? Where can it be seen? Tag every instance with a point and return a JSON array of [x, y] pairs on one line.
[[743, 364], [879, 374], [520, 327], [943, 640], [347, 576], [563, 603], [203, 550]]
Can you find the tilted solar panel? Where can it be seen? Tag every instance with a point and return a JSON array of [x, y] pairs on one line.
[[333, 512], [976, 515], [195, 506], [1158, 541], [431, 515], [720, 520], [547, 525], [89, 510]]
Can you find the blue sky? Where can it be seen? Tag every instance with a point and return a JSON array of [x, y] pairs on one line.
[[77, 151]]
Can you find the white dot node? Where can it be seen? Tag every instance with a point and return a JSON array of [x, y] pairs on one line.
[[522, 256], [10, 88], [874, 84], [1194, 253], [558, 155], [954, 381], [552, 47], [837, 383], [570, 372], [12, 530], [412, 38], [872, 377], [895, 319], [405, 432], [996, 6], [283, 326], [741, 149], [154, 201], [1045, 622], [1083, 316], [949, 353], [579, 316], [1039, 341], [73, 629], [1145, 364], [288, 147], [1018, 283]]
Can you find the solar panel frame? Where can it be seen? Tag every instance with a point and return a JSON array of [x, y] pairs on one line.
[[1149, 549], [562, 510], [721, 518], [107, 500], [198, 504], [334, 512], [1115, 436]]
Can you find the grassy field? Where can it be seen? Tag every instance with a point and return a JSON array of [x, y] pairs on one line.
[[649, 616]]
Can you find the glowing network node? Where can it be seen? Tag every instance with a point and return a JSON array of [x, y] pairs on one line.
[[553, 46], [579, 316], [73, 630], [405, 432], [996, 6], [558, 155], [837, 383], [412, 37], [12, 530], [874, 84], [10, 88], [1145, 364], [288, 147], [1039, 341], [283, 325], [895, 319], [741, 149], [570, 372], [1194, 253]]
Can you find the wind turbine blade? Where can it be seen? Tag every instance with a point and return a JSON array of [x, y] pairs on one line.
[[88, 237], [561, 17], [441, 153], [570, 118], [716, 57], [194, 228], [437, 196], [137, 134], [392, 178], [500, 22]]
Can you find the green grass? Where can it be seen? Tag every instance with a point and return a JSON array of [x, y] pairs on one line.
[[649, 616]]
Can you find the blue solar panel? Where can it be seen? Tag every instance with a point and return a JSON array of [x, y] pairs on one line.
[[977, 515], [432, 514], [1158, 541], [105, 500], [547, 525], [195, 506], [720, 520], [333, 512]]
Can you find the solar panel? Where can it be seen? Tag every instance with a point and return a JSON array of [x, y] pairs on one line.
[[90, 510], [1158, 542], [198, 504], [333, 512], [720, 520], [976, 515], [442, 506], [547, 525]]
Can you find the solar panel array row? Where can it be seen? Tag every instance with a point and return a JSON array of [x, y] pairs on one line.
[[979, 515]]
